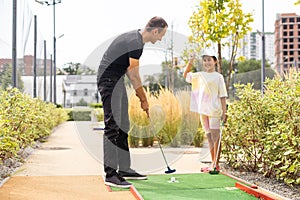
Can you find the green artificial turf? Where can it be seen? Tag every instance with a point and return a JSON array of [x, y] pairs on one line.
[[189, 186]]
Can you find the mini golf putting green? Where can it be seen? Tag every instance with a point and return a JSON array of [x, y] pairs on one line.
[[189, 186]]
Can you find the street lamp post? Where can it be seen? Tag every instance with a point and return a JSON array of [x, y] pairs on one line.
[[51, 78], [53, 3], [14, 45], [45, 70], [263, 73]]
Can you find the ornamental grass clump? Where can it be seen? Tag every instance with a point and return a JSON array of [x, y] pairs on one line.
[[173, 116], [139, 122], [190, 121], [163, 124]]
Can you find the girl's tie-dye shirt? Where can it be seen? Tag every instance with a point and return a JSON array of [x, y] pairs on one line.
[[207, 89]]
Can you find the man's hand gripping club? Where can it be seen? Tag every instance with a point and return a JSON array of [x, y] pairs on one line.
[[140, 93]]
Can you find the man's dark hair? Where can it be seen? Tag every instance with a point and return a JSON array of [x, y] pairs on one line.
[[156, 22]]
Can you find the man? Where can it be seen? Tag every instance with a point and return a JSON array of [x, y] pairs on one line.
[[122, 57]]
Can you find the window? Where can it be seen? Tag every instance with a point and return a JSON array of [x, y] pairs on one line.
[[291, 40], [298, 19], [291, 26], [85, 92], [285, 53], [284, 33], [285, 46], [292, 19], [291, 46], [284, 26], [291, 52], [298, 26], [283, 20], [74, 93], [291, 33], [68, 102]]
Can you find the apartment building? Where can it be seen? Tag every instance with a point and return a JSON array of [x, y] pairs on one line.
[[25, 65], [251, 47], [287, 41]]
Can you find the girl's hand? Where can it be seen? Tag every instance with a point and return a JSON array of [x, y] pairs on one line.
[[224, 117], [192, 56]]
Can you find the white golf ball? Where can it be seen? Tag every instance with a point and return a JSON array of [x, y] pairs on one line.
[[173, 179]]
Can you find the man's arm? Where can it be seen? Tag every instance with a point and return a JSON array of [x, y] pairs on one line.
[[134, 76], [133, 73]]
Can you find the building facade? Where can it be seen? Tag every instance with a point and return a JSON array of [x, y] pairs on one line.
[[287, 42], [25, 65], [78, 89], [251, 47]]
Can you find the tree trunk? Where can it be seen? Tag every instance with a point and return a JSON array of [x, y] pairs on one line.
[[219, 58]]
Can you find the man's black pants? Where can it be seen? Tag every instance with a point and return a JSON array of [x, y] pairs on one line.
[[116, 120]]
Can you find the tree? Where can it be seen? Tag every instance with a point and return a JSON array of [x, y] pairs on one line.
[[297, 2], [217, 21], [6, 78], [81, 102], [71, 68], [165, 76], [249, 65]]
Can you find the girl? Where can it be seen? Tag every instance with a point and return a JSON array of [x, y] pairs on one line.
[[208, 98]]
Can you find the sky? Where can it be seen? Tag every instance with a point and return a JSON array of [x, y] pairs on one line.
[[87, 24]]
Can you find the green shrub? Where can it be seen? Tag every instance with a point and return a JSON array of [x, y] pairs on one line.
[[133, 141], [98, 113], [96, 105], [263, 132], [147, 141], [199, 138], [79, 114], [24, 120], [8, 147]]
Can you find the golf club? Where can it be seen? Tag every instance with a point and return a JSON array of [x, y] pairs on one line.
[[215, 171], [169, 170], [153, 111]]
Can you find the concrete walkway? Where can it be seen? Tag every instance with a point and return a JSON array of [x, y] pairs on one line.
[[69, 166]]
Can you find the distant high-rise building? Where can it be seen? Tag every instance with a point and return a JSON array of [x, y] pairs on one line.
[[251, 47], [287, 41]]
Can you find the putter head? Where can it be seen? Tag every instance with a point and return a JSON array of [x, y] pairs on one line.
[[170, 171], [214, 172]]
